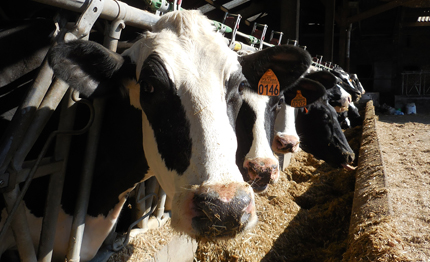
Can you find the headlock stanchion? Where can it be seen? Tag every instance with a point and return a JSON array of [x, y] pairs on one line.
[[29, 121], [273, 40]]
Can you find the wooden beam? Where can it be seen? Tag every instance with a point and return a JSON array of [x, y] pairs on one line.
[[378, 10], [329, 30], [220, 7], [253, 9]]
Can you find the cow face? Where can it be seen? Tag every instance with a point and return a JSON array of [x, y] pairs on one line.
[[319, 130], [187, 84], [286, 138], [346, 82], [255, 122], [254, 130], [321, 135]]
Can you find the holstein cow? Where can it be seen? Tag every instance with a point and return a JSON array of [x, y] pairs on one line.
[[183, 88], [317, 127], [286, 139], [349, 83], [255, 131]]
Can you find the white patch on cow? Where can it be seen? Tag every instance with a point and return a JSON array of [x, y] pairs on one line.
[[133, 89], [198, 63], [285, 122], [345, 98], [260, 147], [96, 231]]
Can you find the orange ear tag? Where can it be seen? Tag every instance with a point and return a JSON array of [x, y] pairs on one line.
[[268, 84], [299, 100]]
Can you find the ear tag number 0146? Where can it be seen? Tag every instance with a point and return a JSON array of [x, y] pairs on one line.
[[299, 100], [268, 84]]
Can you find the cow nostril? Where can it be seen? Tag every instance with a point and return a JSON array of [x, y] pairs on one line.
[[245, 217]]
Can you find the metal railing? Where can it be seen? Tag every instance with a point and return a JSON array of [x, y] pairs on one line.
[[29, 121], [416, 83]]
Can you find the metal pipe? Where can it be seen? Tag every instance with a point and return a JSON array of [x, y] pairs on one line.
[[24, 188], [348, 48], [56, 183], [43, 113], [140, 204], [21, 230], [78, 224], [22, 120], [151, 188], [111, 10], [161, 203]]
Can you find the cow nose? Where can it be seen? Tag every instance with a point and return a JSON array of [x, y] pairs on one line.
[[283, 144], [261, 173], [349, 157], [219, 213]]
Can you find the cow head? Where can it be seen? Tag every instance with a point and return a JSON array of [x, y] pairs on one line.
[[256, 119], [319, 130], [188, 85], [346, 82]]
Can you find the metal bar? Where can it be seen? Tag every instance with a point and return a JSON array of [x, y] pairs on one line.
[[78, 224], [161, 203], [21, 121], [20, 227], [141, 205], [151, 188], [46, 167], [56, 183], [44, 112], [111, 10]]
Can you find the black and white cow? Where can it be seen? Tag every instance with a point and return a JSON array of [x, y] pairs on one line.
[[183, 90], [255, 133], [317, 127], [320, 132]]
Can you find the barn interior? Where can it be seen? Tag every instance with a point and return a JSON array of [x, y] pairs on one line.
[[384, 42]]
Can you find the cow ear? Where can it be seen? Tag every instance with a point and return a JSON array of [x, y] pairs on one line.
[[304, 92], [327, 79], [287, 62], [86, 66]]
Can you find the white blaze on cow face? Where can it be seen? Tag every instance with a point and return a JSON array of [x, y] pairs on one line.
[[198, 63], [286, 139], [260, 157], [345, 100]]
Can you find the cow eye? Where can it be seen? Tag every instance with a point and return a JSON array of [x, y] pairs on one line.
[[280, 102], [147, 87], [241, 87]]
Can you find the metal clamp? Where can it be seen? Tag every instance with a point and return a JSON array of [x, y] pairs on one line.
[[276, 41], [86, 21], [233, 21], [259, 28]]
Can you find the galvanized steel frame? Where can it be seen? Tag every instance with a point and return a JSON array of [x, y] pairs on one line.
[[29, 121]]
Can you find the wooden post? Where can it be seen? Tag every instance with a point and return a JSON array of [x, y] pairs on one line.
[[329, 29], [290, 16]]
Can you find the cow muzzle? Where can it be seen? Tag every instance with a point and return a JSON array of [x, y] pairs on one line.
[[219, 211], [283, 144], [261, 172]]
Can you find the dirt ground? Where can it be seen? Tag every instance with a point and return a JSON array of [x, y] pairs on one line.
[[306, 215], [405, 147]]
